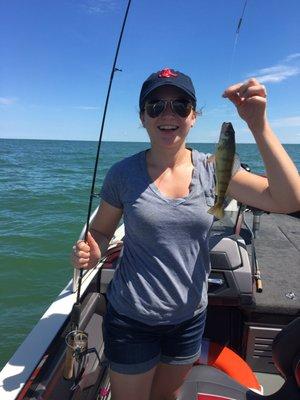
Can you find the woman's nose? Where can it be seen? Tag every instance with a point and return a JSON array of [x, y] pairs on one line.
[[168, 109]]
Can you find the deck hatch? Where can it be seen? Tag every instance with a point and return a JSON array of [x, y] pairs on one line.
[[259, 348]]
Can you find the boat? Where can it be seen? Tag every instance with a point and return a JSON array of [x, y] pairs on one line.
[[251, 348]]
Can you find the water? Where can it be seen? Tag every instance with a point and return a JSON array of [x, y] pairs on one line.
[[45, 188]]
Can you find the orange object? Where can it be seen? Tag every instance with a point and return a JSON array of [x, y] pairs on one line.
[[226, 360]]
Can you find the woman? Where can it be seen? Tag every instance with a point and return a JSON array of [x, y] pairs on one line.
[[157, 300]]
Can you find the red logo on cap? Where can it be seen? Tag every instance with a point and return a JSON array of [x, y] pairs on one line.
[[167, 73]]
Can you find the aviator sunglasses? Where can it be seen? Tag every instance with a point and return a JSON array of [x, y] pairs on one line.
[[181, 107]]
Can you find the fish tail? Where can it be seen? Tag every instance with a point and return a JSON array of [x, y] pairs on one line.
[[217, 210]]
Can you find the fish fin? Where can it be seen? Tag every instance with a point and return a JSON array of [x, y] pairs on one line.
[[211, 158], [217, 210]]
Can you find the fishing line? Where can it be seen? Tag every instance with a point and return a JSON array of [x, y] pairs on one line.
[[92, 194], [237, 32]]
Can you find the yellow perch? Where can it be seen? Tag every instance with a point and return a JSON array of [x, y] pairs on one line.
[[224, 159]]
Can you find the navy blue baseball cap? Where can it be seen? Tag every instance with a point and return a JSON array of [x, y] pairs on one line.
[[170, 77]]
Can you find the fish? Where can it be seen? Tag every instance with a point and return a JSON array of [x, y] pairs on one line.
[[224, 159]]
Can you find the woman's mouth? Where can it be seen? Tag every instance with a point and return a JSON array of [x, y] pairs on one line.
[[167, 128]]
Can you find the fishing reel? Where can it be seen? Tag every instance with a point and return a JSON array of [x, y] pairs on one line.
[[77, 350], [77, 342]]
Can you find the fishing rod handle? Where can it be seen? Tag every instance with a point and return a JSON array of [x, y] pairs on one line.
[[259, 285], [69, 362]]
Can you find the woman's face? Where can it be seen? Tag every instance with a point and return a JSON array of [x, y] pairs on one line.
[[167, 130]]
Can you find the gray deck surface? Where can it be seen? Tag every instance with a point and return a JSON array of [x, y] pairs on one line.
[[278, 254]]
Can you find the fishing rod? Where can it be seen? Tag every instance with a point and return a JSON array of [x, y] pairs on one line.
[[76, 310], [92, 194]]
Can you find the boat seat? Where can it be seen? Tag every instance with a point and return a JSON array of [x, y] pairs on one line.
[[206, 382], [286, 350], [94, 303]]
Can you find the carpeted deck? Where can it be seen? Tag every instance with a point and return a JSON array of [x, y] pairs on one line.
[[278, 254]]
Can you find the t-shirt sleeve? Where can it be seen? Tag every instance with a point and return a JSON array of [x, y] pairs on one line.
[[111, 188]]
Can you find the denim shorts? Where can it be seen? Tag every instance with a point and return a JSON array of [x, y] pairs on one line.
[[133, 347]]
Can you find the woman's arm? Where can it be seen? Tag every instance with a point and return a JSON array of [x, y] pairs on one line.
[[280, 190], [86, 254]]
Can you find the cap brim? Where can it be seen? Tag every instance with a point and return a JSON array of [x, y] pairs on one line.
[[190, 94]]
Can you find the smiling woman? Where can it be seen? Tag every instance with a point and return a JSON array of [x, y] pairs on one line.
[[53, 61], [167, 104], [159, 291], [168, 116]]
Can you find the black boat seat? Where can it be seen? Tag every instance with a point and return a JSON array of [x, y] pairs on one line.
[[286, 350]]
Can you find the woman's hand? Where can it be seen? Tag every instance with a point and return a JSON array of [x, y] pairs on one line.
[[250, 100], [85, 254]]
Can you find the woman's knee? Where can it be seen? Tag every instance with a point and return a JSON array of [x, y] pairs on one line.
[[129, 386], [168, 380]]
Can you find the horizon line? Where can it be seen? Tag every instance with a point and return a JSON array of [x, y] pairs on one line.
[[120, 141]]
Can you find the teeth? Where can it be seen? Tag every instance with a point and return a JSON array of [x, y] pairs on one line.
[[168, 127]]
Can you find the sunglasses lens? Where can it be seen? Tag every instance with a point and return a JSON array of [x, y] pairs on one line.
[[182, 107], [155, 108]]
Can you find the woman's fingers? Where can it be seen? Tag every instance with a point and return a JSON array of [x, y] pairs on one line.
[[250, 100], [85, 254], [81, 255], [82, 245], [81, 251], [255, 91], [232, 93], [241, 91]]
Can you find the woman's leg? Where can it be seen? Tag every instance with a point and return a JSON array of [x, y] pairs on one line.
[[133, 352], [167, 381], [180, 348], [131, 387]]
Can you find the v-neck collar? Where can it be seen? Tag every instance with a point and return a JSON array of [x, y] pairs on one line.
[[171, 200]]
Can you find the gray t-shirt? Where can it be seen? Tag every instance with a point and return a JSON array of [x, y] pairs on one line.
[[162, 277]]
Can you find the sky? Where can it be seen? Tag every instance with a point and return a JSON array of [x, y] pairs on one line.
[[56, 58]]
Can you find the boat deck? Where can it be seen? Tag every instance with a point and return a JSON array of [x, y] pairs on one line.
[[278, 254]]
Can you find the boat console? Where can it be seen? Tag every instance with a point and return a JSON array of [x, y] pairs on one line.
[[230, 280]]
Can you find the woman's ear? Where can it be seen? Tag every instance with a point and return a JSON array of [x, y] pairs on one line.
[[142, 118], [194, 117]]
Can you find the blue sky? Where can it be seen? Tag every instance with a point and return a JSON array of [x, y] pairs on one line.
[[56, 58]]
